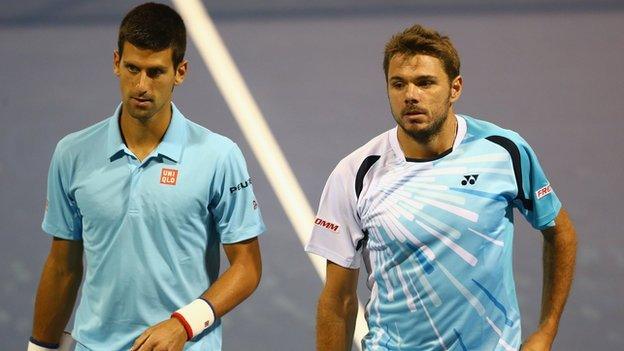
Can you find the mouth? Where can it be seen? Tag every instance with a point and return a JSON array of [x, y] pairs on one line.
[[414, 113], [413, 109], [141, 102]]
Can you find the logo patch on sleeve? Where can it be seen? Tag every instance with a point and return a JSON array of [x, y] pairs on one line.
[[540, 193], [326, 224], [240, 186], [168, 176]]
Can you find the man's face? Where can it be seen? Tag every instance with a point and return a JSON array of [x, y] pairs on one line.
[[420, 94], [146, 79]]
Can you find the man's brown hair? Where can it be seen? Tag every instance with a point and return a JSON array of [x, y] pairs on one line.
[[418, 40], [155, 27]]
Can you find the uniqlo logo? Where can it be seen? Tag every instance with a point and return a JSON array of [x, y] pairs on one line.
[[543, 191], [168, 176], [327, 225]]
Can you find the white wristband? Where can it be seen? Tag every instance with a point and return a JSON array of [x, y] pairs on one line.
[[34, 347], [195, 317], [65, 344]]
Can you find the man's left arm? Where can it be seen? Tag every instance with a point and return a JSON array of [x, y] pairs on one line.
[[233, 287], [239, 280], [558, 265]]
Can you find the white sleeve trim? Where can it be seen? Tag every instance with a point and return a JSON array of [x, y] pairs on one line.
[[333, 256]]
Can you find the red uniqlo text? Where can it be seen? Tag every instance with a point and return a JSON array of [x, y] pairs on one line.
[[168, 176]]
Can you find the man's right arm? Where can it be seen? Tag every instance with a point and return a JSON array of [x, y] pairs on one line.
[[337, 309], [58, 287]]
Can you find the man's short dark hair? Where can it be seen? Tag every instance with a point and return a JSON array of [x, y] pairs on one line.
[[154, 27], [418, 40]]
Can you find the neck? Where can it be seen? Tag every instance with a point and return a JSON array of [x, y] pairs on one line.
[[437, 145], [142, 136]]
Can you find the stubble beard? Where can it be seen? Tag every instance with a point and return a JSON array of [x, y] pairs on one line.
[[425, 136], [141, 115]]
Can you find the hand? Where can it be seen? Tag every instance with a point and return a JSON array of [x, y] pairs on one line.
[[168, 335], [538, 341]]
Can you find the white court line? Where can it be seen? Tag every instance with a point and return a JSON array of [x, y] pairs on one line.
[[230, 82]]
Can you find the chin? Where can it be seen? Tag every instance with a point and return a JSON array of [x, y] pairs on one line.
[[140, 115], [420, 128], [423, 133]]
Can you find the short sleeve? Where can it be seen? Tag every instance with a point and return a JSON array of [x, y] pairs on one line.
[[538, 202], [62, 218], [234, 206], [337, 231]]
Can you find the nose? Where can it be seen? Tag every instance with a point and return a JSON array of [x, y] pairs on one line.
[[412, 93], [142, 81]]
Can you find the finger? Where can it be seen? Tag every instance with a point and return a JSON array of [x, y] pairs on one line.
[[140, 340], [147, 345]]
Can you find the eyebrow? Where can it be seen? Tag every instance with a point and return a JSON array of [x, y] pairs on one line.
[[163, 68], [423, 77]]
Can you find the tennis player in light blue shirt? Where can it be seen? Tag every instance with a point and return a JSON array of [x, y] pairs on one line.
[[146, 197]]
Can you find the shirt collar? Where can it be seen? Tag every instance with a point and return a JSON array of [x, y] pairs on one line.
[[175, 137], [171, 145]]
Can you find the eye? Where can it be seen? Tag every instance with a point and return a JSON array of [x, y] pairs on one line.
[[155, 72], [426, 83], [132, 68], [397, 84]]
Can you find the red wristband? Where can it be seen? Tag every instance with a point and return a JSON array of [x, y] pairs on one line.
[[187, 327]]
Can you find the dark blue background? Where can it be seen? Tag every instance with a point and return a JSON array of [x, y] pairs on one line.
[[551, 70]]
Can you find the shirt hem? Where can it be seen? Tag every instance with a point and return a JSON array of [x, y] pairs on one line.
[[246, 234], [59, 233], [544, 221], [332, 256]]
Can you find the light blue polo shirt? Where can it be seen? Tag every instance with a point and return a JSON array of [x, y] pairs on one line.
[[151, 230]]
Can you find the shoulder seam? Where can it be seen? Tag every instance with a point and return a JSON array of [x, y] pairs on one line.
[[514, 153], [365, 166]]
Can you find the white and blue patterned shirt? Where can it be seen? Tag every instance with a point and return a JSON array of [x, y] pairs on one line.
[[436, 236]]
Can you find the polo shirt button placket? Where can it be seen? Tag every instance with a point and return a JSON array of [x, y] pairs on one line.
[[133, 206]]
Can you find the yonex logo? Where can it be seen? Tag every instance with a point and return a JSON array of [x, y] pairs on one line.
[[168, 176], [327, 225], [540, 193], [469, 179]]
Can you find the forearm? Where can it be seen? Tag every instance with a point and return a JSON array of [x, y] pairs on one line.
[[236, 284], [558, 261], [232, 287], [55, 300], [335, 322]]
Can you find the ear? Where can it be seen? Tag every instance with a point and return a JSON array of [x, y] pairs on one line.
[[456, 88], [116, 62], [180, 72]]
